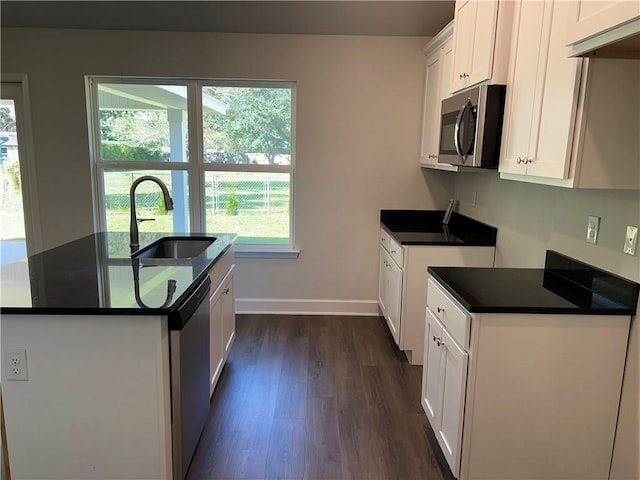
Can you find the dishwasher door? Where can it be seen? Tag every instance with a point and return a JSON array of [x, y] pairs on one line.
[[190, 378]]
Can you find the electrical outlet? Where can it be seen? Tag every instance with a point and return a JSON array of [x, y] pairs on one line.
[[16, 364], [631, 240], [593, 225]]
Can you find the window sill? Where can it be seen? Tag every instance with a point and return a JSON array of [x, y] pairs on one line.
[[266, 252]]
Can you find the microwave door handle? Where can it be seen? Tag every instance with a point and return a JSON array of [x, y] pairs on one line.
[[457, 131]]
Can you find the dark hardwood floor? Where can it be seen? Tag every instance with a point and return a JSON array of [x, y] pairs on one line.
[[315, 397]]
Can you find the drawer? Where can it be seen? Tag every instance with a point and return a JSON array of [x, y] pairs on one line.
[[384, 239], [454, 317], [396, 251], [392, 246]]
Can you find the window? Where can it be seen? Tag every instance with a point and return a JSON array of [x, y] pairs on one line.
[[225, 150]]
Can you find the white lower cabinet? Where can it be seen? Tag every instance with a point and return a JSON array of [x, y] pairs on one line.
[[444, 386], [402, 284], [221, 317], [522, 396], [390, 292]]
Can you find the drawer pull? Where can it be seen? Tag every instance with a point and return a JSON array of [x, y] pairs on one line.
[[440, 310]]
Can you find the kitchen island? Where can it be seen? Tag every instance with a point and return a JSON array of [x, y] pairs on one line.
[[96, 328]]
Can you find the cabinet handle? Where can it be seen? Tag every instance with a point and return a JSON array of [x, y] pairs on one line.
[[393, 252], [519, 160], [225, 291], [440, 310]]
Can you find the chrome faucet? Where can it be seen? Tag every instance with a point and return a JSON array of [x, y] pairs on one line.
[[133, 226]]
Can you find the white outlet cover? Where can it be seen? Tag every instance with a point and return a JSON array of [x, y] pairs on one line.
[[593, 225], [631, 240], [15, 364]]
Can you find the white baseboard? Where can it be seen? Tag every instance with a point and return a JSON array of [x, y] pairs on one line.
[[289, 306]]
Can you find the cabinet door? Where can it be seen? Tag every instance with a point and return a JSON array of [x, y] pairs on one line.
[[432, 107], [394, 301], [474, 42], [445, 76], [431, 370], [551, 152], [216, 349], [383, 281], [463, 39], [523, 83], [454, 387], [589, 18], [543, 93], [228, 314]]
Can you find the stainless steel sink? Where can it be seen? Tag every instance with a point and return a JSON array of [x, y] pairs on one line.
[[175, 247]]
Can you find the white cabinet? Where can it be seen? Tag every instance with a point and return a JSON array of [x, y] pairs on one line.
[[390, 285], [568, 122], [542, 93], [221, 316], [228, 313], [438, 54], [480, 42], [444, 387], [508, 395], [402, 282], [592, 25]]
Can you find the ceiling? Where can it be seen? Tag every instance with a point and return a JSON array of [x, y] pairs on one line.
[[329, 17]]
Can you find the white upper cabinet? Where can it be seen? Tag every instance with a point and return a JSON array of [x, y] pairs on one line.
[[480, 42], [595, 24], [568, 122], [542, 93], [437, 76]]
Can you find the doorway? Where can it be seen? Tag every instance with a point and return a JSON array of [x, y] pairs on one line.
[[18, 218]]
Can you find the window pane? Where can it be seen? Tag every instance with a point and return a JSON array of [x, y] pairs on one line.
[[247, 125], [143, 122], [253, 205], [149, 200]]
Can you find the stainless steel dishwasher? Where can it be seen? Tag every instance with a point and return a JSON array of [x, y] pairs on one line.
[[189, 346]]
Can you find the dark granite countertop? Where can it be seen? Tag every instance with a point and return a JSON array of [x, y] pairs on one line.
[[564, 286], [424, 227], [96, 275]]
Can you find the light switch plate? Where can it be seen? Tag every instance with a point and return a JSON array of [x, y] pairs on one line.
[[631, 240], [593, 225]]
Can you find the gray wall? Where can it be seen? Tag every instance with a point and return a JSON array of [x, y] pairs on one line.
[[359, 107], [533, 218]]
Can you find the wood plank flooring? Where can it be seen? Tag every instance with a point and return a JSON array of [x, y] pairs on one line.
[[315, 397]]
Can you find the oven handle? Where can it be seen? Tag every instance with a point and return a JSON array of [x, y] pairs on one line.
[[456, 133]]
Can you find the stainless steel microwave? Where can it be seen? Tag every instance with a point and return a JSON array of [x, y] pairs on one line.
[[471, 127]]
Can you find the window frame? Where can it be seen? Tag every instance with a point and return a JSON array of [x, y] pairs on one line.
[[195, 166]]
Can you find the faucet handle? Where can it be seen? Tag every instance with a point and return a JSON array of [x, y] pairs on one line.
[[140, 220]]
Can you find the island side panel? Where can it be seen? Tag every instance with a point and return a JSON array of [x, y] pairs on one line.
[[97, 401], [542, 395]]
